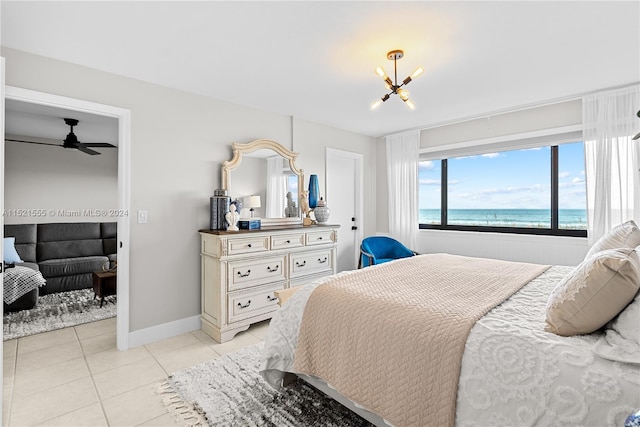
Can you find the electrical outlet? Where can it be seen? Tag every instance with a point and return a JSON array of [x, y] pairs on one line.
[[142, 217]]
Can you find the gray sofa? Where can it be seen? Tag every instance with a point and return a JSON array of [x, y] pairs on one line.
[[65, 253]]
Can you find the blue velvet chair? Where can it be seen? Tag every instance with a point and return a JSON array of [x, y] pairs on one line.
[[379, 249]]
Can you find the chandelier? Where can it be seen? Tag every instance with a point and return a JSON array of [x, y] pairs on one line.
[[393, 86]]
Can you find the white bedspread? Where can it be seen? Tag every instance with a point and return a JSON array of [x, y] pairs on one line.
[[513, 372]]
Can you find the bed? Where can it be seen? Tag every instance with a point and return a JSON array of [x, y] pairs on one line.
[[508, 371]]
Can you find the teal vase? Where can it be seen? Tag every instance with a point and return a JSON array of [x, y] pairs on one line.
[[314, 191]]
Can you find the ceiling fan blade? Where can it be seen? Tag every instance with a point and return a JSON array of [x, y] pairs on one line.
[[32, 140], [87, 150], [97, 144]]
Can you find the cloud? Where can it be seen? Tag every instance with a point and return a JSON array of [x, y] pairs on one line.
[[577, 180], [429, 182], [491, 155], [427, 164], [564, 174]]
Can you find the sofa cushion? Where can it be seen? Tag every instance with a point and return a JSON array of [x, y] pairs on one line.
[[72, 266], [68, 249], [109, 232], [25, 235], [68, 231]]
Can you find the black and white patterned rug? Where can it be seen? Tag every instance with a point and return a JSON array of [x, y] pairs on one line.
[[229, 391], [56, 311]]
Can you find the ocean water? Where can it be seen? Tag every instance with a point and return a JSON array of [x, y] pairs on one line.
[[575, 219]]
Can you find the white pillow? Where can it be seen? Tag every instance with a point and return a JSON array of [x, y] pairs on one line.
[[625, 235], [621, 341], [594, 292]]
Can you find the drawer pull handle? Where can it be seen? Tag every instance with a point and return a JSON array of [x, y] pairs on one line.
[[287, 241], [322, 261], [244, 275], [272, 270], [301, 265], [320, 238], [244, 306], [271, 299], [249, 245]]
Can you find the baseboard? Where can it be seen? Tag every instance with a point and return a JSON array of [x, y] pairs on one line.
[[163, 331]]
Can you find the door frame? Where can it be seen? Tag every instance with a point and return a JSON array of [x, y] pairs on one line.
[[124, 185], [358, 191]]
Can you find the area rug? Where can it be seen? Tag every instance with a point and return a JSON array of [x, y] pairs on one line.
[[56, 311], [229, 391]]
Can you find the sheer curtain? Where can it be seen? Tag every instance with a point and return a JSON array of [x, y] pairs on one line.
[[612, 158], [276, 188], [402, 182]]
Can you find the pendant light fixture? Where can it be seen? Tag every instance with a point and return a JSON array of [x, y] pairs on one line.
[[393, 86]]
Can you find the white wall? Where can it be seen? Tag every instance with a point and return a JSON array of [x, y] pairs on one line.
[[53, 184], [178, 143]]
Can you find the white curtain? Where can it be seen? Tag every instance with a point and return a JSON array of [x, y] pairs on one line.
[[402, 183], [276, 188], [612, 158]]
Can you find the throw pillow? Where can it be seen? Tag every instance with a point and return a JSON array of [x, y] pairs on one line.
[[625, 235], [594, 292], [621, 339], [10, 254]]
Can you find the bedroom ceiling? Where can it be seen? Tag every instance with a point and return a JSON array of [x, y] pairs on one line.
[[316, 60]]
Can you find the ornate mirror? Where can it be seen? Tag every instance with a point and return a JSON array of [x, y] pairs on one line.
[[267, 171]]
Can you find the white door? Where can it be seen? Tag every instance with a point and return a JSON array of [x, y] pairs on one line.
[[344, 198]]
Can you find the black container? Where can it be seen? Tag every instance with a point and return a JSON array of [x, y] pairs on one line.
[[219, 207]]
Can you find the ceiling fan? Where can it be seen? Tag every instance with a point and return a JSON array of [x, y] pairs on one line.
[[71, 141]]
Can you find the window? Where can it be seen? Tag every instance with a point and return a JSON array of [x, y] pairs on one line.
[[537, 190]]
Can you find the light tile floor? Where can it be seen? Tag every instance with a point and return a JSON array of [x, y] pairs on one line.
[[76, 376]]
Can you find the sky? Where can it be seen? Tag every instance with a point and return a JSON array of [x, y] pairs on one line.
[[518, 179]]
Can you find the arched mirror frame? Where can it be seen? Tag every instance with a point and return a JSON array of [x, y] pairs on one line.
[[239, 149]]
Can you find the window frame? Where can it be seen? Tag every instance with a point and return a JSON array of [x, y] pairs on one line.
[[553, 230]]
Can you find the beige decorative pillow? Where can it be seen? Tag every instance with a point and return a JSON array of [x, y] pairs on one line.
[[594, 292], [625, 235]]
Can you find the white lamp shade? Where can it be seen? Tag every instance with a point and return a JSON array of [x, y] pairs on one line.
[[252, 202]]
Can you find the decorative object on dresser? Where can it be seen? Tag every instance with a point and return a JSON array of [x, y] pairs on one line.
[[219, 206], [231, 218], [322, 211], [242, 270], [314, 191]]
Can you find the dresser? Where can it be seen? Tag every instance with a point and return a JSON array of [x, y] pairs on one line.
[[241, 270]]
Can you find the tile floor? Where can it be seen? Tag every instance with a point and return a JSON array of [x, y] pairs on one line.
[[76, 377]]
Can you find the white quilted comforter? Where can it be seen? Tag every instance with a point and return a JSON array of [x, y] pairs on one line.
[[513, 372]]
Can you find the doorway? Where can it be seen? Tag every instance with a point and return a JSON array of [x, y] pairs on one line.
[[344, 185], [124, 137]]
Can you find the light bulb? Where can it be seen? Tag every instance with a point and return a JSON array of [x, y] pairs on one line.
[[410, 104], [417, 72], [403, 94], [375, 104], [380, 72]]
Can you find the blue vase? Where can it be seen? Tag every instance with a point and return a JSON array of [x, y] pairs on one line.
[[314, 191]]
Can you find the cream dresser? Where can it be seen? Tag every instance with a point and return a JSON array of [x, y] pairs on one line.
[[241, 270]]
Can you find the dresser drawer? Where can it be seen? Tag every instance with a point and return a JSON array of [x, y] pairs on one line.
[[319, 238], [287, 241], [246, 304], [304, 263], [248, 245], [247, 273]]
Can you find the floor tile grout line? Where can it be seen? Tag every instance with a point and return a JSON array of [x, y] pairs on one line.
[[93, 381]]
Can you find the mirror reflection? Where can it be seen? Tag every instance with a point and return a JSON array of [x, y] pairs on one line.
[[264, 181], [268, 176]]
